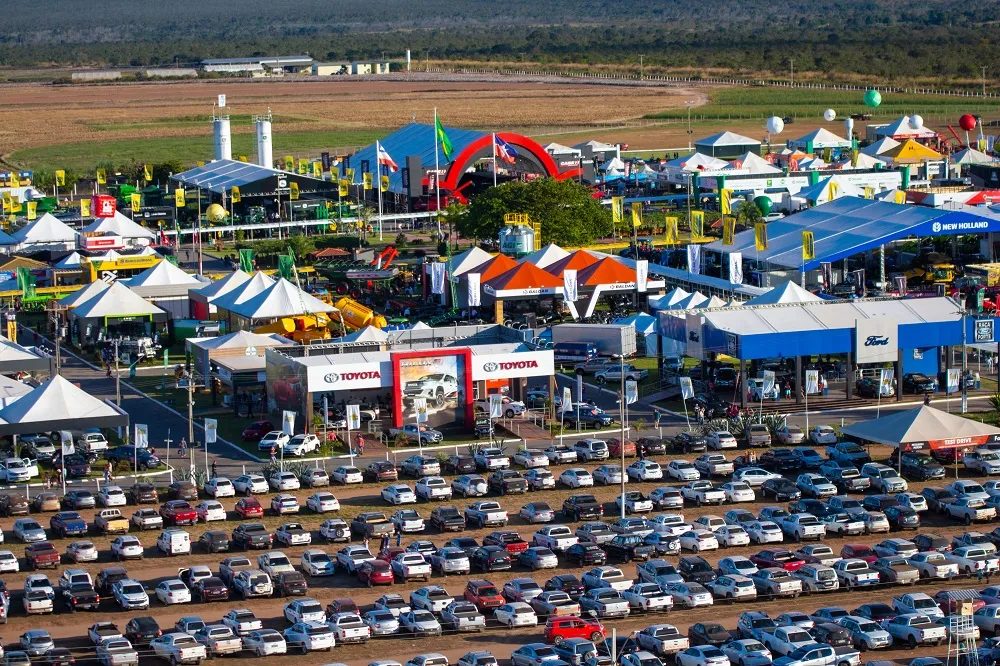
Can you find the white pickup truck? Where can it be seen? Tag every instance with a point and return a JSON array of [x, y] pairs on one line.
[[486, 514], [802, 526], [219, 640], [915, 629], [973, 559], [557, 538], [785, 640], [178, 648], [491, 458], [820, 654], [855, 573], [662, 640]]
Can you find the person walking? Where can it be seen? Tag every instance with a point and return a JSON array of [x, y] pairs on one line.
[[989, 363], [927, 398], [107, 472], [385, 543], [274, 457], [214, 470], [399, 536]]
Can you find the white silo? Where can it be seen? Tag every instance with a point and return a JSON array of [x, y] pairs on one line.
[[265, 149], [222, 136]]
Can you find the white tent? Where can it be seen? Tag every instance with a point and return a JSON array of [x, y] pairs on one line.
[[48, 232], [788, 292], [115, 301], [420, 326], [713, 302], [614, 165], [753, 164], [84, 294], [812, 164], [59, 405], [71, 261], [971, 156], [901, 127], [243, 340], [819, 139], [828, 189], [883, 145], [282, 299], [123, 226], [696, 162], [598, 147], [463, 262], [864, 161], [12, 390], [546, 256], [691, 301], [147, 250], [242, 293], [918, 425], [668, 300], [559, 149], [223, 286], [162, 274], [646, 328], [367, 334], [18, 358], [726, 139]]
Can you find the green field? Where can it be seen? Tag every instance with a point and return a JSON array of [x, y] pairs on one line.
[[186, 150]]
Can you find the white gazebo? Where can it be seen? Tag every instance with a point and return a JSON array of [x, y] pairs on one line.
[[46, 233], [59, 405], [203, 299], [280, 300], [131, 233]]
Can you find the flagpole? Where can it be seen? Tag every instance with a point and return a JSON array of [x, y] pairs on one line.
[[378, 176], [437, 175], [494, 159]]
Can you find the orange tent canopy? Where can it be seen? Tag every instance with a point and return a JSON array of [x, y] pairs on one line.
[[497, 265], [606, 271], [577, 260], [525, 276]]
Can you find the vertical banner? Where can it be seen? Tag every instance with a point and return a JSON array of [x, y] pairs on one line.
[[695, 347], [736, 267], [636, 215], [32, 210], [767, 383], [496, 405], [641, 275], [84, 207], [812, 381], [729, 231], [437, 277], [66, 442], [288, 422], [631, 391], [102, 177], [567, 400], [60, 178], [179, 201], [420, 409], [900, 282], [293, 191], [135, 199], [954, 375], [289, 163], [617, 210], [366, 178], [211, 431], [671, 230], [726, 201], [234, 195], [983, 331], [760, 236], [827, 270], [354, 417], [697, 223], [317, 169], [579, 388], [694, 259], [570, 285], [147, 172], [885, 382], [384, 183], [474, 289], [808, 246], [687, 388], [343, 187], [141, 439]]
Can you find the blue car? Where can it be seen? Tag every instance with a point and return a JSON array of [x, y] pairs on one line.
[[68, 523]]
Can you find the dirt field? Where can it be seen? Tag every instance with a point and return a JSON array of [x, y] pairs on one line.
[[44, 115]]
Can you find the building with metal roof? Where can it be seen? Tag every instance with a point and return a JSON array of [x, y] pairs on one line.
[[254, 181]]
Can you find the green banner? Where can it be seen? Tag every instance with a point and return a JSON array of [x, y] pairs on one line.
[[27, 282], [286, 266], [246, 260]]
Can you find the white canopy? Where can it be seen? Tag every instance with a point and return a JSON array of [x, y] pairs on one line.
[[84, 294], [812, 164], [597, 146], [45, 230], [785, 293], [71, 260], [883, 145], [56, 405], [115, 301], [12, 390], [691, 301], [244, 292], [244, 339], [15, 357], [223, 286], [828, 189], [921, 424], [120, 225], [163, 273], [420, 326], [903, 127], [463, 262], [559, 149], [367, 334], [668, 300], [753, 163], [726, 139], [697, 162], [818, 139], [971, 156], [864, 161], [546, 256], [282, 299], [614, 165]]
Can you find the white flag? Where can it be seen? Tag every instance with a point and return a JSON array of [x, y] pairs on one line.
[[694, 259], [687, 388], [141, 439], [736, 267], [812, 381], [354, 417], [420, 407], [474, 289], [641, 274], [954, 375], [211, 431], [496, 406], [885, 381], [569, 285], [567, 400], [767, 387], [632, 391], [66, 439], [437, 277], [288, 422]]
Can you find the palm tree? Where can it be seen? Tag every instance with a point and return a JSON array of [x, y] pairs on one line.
[[748, 215]]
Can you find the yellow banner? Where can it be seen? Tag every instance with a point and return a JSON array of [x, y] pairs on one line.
[[102, 177], [303, 166], [367, 178], [293, 191], [147, 172], [854, 157], [726, 201], [15, 205], [728, 230], [317, 169], [32, 210], [808, 246], [869, 192], [136, 201], [349, 174], [14, 180], [234, 195], [672, 230], [84, 207], [344, 187], [60, 178], [289, 163], [617, 210], [900, 197], [384, 183], [244, 158], [697, 223], [636, 215], [179, 201], [760, 236]]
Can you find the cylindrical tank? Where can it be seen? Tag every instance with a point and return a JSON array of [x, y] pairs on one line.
[[223, 139], [517, 240], [358, 316], [265, 151]]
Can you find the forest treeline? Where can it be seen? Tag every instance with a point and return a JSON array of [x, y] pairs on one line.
[[880, 38]]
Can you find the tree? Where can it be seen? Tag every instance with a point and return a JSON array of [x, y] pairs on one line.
[[568, 214], [748, 214]]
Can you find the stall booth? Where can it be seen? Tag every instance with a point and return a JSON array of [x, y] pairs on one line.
[[925, 429], [237, 361], [59, 404], [115, 312], [168, 287], [438, 371], [203, 299]]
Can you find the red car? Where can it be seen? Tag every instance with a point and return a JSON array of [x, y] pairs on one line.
[[859, 551], [569, 626], [249, 507], [375, 572], [508, 540], [178, 512], [254, 431], [484, 595], [42, 555], [778, 558], [389, 552], [615, 448]]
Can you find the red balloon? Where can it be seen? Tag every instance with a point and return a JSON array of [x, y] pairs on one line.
[[967, 122]]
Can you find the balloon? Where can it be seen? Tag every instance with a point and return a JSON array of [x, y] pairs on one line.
[[873, 98], [775, 125], [763, 204], [916, 122], [967, 122], [215, 213], [829, 115]]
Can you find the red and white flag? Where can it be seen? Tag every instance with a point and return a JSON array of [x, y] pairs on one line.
[[384, 159]]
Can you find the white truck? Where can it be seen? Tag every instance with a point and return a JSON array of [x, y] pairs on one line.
[[610, 339], [973, 559], [491, 458], [820, 654], [435, 387], [855, 573], [486, 514], [557, 538], [785, 640], [915, 629], [662, 640], [802, 527]]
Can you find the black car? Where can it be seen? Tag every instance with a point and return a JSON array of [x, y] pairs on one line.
[[137, 458], [875, 611], [867, 387], [142, 630], [582, 507], [902, 517], [831, 634], [507, 481], [468, 544], [937, 498], [108, 577], [210, 589], [447, 519], [81, 596], [76, 466], [459, 465], [567, 583], [813, 506], [142, 493], [214, 541], [713, 405], [688, 442], [491, 558], [709, 633], [695, 569], [586, 555], [780, 460], [252, 535], [628, 547], [55, 657], [651, 446], [781, 490], [290, 584], [14, 505], [918, 382], [926, 542], [917, 467]]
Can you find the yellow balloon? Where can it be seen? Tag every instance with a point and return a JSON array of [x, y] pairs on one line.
[[215, 213]]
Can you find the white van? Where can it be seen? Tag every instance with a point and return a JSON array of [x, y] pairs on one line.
[[174, 541], [588, 450]]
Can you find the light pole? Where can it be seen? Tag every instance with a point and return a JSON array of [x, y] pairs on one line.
[[965, 368], [621, 408], [983, 67], [640, 67]]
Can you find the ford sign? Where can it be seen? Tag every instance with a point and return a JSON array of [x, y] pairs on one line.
[[876, 341]]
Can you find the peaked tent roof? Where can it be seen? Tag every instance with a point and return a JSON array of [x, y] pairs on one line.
[[754, 163], [911, 151], [545, 256], [597, 146], [525, 276], [921, 424], [115, 301], [691, 301], [46, 229], [11, 389], [559, 149], [828, 189], [971, 156], [244, 339], [494, 266], [819, 138], [864, 161], [697, 162], [713, 302], [59, 405], [668, 300], [281, 299], [223, 286], [883, 145], [85, 294], [163, 273], [643, 322], [221, 176], [726, 139], [7, 239], [17, 358], [121, 225], [71, 260], [463, 262], [606, 271], [244, 292], [420, 326], [785, 293], [367, 334], [903, 126], [576, 260]]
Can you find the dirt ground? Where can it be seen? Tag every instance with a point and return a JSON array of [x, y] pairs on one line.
[[67, 629], [39, 115]]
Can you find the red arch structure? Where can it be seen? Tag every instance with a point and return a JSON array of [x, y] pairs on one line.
[[526, 147]]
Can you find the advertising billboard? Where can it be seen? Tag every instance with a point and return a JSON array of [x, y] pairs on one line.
[[439, 381]]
